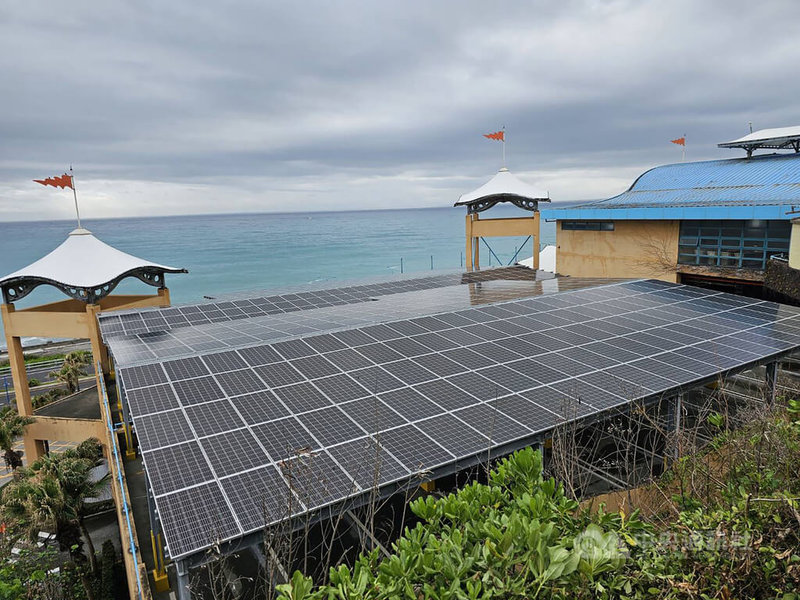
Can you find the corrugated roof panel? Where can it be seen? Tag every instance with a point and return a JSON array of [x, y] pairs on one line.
[[770, 180]]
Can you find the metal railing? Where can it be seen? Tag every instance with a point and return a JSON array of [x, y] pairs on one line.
[[117, 462], [44, 365]]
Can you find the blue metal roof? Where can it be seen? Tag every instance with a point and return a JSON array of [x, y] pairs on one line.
[[762, 187]]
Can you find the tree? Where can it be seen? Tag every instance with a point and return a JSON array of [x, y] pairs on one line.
[[51, 494], [73, 369], [12, 425]]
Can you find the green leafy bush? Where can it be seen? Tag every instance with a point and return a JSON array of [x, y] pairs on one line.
[[519, 536]]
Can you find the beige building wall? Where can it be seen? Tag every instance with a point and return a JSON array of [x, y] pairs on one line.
[[794, 245], [634, 249]]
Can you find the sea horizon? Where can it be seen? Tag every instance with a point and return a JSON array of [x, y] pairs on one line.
[[241, 252], [552, 204]]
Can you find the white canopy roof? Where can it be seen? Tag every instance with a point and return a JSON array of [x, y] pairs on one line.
[[778, 137], [83, 262], [502, 186]]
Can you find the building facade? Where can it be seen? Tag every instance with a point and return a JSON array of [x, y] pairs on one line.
[[710, 223]]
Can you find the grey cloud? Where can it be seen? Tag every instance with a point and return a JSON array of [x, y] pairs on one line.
[[324, 103]]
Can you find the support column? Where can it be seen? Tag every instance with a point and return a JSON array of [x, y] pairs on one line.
[[772, 382], [182, 570], [99, 351], [159, 572], [130, 450], [34, 449], [468, 231], [535, 236], [477, 246], [678, 410]]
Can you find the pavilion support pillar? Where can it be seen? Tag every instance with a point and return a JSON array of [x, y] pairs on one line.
[[34, 449], [477, 228], [99, 351], [473, 244]]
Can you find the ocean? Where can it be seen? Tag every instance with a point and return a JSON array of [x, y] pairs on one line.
[[241, 252]]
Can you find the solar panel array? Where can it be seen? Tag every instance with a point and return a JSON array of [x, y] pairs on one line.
[[148, 321], [238, 439], [205, 337]]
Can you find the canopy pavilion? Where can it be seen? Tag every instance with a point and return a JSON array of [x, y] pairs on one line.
[[86, 270], [503, 187]]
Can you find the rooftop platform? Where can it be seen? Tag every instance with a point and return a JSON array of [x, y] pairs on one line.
[[313, 406]]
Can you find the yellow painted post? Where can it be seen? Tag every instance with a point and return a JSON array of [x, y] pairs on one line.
[[535, 236], [34, 449], [159, 573], [428, 486]]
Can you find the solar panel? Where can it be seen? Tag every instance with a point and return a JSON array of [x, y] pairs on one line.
[[133, 336], [298, 417]]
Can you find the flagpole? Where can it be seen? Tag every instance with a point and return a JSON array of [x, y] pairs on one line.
[[75, 196], [683, 149], [504, 146]]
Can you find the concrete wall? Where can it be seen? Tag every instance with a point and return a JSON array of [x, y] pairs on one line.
[[634, 249], [794, 245]]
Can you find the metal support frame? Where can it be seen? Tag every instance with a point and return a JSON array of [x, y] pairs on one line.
[[772, 382], [200, 558], [283, 572], [182, 571], [130, 451], [365, 533], [678, 413], [601, 474]]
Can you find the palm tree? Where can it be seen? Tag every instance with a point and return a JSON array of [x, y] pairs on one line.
[[72, 369], [12, 425], [69, 375], [51, 493]]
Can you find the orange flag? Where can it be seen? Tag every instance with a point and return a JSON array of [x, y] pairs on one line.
[[61, 181], [500, 136], [681, 141]]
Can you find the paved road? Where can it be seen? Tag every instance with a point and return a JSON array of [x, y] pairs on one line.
[[8, 396]]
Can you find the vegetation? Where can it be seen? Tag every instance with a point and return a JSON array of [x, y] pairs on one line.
[[48, 397], [12, 425], [33, 382], [729, 527], [31, 360], [107, 569], [40, 574], [50, 495], [73, 369]]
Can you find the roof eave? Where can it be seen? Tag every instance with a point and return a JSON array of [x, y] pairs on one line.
[[17, 287]]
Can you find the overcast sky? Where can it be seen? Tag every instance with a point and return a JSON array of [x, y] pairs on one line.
[[202, 107]]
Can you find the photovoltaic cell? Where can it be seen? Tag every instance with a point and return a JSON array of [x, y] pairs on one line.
[[196, 518], [252, 411]]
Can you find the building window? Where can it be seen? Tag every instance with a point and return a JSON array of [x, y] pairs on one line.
[[747, 244], [587, 225]]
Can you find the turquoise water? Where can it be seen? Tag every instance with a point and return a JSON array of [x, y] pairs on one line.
[[232, 253]]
